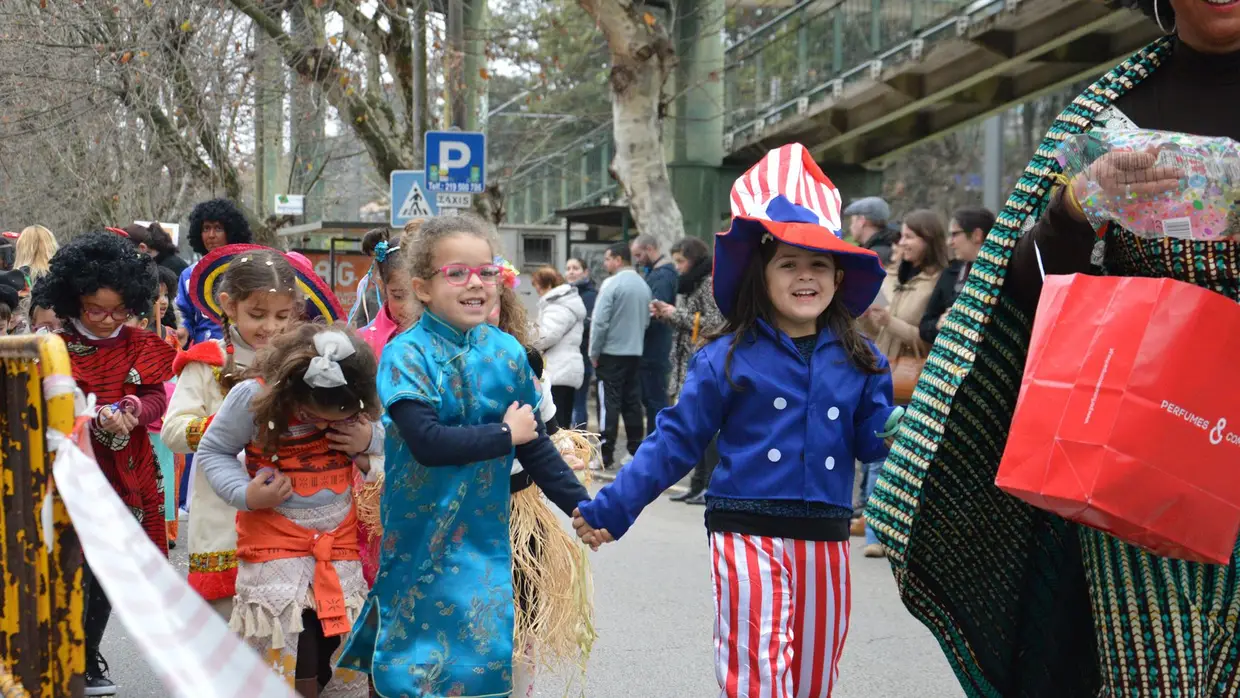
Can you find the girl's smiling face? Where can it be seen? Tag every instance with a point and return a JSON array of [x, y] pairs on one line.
[[467, 305], [260, 316], [800, 284]]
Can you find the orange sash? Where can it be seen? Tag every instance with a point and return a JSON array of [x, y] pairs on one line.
[[265, 535]]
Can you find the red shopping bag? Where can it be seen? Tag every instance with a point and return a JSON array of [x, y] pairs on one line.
[[1128, 419]]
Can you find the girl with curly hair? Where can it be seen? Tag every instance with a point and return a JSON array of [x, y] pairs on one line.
[[95, 284], [212, 224], [310, 386], [459, 396]]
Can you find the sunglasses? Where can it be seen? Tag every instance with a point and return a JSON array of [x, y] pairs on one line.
[[459, 274], [99, 315]]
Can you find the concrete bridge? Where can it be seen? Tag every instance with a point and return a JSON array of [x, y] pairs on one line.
[[857, 81]]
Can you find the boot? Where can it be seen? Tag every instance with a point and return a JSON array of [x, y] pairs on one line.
[[699, 499]]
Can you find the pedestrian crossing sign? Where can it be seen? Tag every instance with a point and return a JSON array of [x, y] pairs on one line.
[[408, 197]]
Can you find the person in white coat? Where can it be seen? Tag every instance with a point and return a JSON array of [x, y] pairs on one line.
[[561, 322]]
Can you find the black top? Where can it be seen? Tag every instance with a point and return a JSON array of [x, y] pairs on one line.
[[1191, 92], [436, 445], [950, 282]]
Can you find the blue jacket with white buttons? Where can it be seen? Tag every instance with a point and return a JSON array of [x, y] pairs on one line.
[[788, 429]]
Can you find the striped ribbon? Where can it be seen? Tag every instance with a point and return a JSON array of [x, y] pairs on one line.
[[188, 644]]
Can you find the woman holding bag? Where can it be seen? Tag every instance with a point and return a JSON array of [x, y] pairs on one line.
[[1024, 602], [918, 259]]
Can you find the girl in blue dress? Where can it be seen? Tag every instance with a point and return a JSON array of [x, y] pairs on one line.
[[796, 395], [459, 397]]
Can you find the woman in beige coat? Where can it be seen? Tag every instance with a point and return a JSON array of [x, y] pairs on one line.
[[918, 260]]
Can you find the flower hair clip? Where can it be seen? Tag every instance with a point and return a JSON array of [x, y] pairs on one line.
[[508, 273], [383, 249]]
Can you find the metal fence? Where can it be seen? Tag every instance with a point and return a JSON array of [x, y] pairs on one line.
[[811, 50], [41, 641]]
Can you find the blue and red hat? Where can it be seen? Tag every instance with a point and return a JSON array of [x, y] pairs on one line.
[[787, 197], [320, 301]]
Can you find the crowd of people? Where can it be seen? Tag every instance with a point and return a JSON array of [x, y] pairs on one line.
[[347, 512]]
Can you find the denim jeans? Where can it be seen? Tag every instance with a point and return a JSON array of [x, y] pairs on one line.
[[872, 471]]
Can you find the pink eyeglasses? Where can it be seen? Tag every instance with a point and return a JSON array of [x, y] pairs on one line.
[[459, 274]]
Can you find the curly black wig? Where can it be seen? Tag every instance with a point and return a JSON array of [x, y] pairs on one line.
[[224, 212], [94, 261]]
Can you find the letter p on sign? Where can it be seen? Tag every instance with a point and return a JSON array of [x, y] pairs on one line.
[[453, 155]]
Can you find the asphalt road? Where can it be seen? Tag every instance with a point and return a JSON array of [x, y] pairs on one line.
[[654, 618]]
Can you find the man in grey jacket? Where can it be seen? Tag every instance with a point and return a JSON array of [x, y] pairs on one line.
[[617, 338]]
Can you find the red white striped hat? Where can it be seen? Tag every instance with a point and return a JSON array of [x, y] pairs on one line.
[[786, 197]]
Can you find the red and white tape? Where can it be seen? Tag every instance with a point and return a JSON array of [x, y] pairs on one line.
[[188, 644]]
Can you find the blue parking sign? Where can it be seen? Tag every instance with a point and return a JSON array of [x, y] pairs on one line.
[[456, 161]]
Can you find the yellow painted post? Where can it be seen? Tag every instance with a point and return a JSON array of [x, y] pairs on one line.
[[41, 636]]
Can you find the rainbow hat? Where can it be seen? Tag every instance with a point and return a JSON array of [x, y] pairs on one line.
[[787, 197], [320, 301]]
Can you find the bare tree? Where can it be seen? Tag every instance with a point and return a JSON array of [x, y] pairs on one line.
[[642, 59]]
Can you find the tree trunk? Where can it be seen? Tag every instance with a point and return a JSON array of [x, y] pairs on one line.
[[642, 58]]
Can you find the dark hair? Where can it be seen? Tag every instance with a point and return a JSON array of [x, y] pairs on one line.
[[647, 241], [168, 279], [753, 303], [622, 251], [9, 301], [392, 260], [692, 249], [282, 367], [161, 241], [257, 271], [93, 261], [970, 219], [419, 245], [224, 212], [928, 226], [138, 234], [580, 262], [546, 277]]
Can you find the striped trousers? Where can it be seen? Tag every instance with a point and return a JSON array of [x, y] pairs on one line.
[[781, 615]]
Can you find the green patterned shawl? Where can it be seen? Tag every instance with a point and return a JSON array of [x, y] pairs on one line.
[[999, 583]]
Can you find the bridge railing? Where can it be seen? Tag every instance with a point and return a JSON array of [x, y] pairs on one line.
[[812, 49]]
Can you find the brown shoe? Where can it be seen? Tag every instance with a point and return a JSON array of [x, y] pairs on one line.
[[857, 528], [875, 550]]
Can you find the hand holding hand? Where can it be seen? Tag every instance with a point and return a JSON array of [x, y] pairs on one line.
[[269, 489], [350, 438], [593, 537], [521, 423], [362, 461], [659, 309]]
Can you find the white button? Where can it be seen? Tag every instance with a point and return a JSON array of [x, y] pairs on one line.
[[833, 413], [780, 403], [773, 455], [830, 462]]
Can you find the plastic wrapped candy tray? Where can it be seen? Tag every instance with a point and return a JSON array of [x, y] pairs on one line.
[[1205, 205]]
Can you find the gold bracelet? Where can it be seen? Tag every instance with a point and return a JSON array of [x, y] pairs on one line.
[[1069, 193]]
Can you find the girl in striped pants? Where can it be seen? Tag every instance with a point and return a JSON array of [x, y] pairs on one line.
[[796, 395]]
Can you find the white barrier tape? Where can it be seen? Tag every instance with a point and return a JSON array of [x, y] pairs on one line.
[[188, 645], [56, 385]]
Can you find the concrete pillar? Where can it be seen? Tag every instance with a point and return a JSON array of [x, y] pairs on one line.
[[992, 163], [694, 127]]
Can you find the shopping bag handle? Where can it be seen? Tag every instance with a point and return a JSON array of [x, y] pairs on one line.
[[1038, 253]]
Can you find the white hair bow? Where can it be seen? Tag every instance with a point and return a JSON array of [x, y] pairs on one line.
[[324, 370]]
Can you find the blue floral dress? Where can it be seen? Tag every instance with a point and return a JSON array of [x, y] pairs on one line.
[[439, 619]]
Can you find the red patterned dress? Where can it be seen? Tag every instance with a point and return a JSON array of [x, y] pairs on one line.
[[134, 362]]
